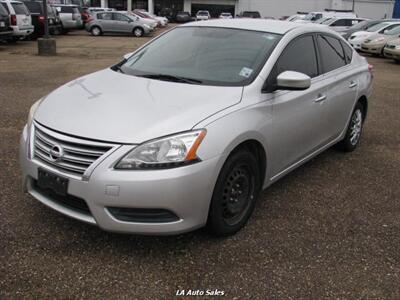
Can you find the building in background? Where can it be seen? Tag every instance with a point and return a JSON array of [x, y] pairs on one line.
[[267, 8]]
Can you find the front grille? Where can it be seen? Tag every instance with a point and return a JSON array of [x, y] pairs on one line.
[[65, 156], [71, 202]]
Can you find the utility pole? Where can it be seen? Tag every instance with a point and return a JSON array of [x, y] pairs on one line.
[[46, 20]]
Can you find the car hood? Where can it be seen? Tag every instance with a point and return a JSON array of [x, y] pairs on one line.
[[385, 37], [362, 33], [395, 42], [114, 107]]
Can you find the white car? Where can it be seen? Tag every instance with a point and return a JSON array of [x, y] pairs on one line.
[[225, 15], [203, 15], [295, 17], [341, 24], [163, 20], [20, 19], [149, 22], [357, 38]]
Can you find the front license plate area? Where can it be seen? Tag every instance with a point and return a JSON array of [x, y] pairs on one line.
[[52, 182]]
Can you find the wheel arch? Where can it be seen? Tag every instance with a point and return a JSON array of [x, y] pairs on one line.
[[363, 100]]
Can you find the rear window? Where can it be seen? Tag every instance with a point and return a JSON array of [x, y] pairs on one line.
[[20, 9], [34, 7], [4, 9], [67, 9]]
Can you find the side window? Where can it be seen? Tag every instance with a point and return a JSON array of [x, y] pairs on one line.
[[289, 60], [331, 52], [348, 52], [120, 17], [340, 22], [104, 16], [66, 9]]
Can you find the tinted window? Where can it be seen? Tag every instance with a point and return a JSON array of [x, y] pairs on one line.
[[341, 22], [67, 10], [34, 7], [4, 9], [289, 60], [348, 52], [331, 51], [20, 9]]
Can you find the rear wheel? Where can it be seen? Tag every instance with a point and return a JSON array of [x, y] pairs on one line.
[[138, 32], [235, 194], [354, 130], [96, 31]]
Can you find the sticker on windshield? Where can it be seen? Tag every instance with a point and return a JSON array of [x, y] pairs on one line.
[[246, 72]]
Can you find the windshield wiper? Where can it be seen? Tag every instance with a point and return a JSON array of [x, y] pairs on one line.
[[117, 67], [171, 78]]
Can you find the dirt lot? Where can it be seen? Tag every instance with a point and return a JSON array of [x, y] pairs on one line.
[[331, 229]]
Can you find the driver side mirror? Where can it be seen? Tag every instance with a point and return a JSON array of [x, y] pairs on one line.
[[293, 81], [128, 55]]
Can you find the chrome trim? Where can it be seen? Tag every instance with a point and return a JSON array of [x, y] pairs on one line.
[[77, 162]]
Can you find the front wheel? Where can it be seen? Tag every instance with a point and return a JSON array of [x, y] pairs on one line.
[[354, 130], [138, 32], [235, 194]]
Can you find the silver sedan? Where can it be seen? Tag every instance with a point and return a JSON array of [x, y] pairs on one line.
[[189, 129]]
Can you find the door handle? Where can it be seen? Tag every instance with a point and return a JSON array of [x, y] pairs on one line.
[[320, 98], [353, 84]]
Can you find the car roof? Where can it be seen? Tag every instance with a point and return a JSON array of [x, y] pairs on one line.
[[66, 5], [270, 26]]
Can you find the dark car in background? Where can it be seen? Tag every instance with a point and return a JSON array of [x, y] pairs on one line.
[[5, 30], [183, 17], [37, 14], [250, 14]]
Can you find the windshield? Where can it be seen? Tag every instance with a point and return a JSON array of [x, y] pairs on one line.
[[359, 25], [205, 55], [377, 27], [393, 31]]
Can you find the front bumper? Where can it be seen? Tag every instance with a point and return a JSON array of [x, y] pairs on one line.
[[372, 48], [392, 53], [185, 191]]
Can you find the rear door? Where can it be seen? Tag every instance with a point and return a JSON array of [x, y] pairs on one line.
[[299, 121], [335, 59]]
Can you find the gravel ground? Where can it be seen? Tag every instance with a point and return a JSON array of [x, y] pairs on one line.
[[331, 229]]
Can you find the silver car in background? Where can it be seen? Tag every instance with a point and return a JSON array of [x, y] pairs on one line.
[[70, 17], [20, 19], [188, 130], [116, 22]]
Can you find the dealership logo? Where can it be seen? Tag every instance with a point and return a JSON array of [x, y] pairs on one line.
[[56, 153]]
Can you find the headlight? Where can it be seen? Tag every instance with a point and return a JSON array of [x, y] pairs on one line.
[[147, 26], [32, 111], [169, 152], [398, 47]]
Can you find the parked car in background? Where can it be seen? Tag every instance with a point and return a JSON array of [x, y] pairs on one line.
[[357, 38], [225, 15], [341, 24], [116, 22], [295, 17], [140, 13], [20, 19], [168, 13], [162, 21], [315, 16], [392, 50], [362, 26], [375, 44], [99, 9], [250, 14], [183, 17], [189, 129], [5, 30], [203, 15], [37, 15], [70, 17], [148, 21]]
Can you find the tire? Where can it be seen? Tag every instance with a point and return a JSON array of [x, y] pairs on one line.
[[138, 32], [354, 130], [235, 194], [96, 31]]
